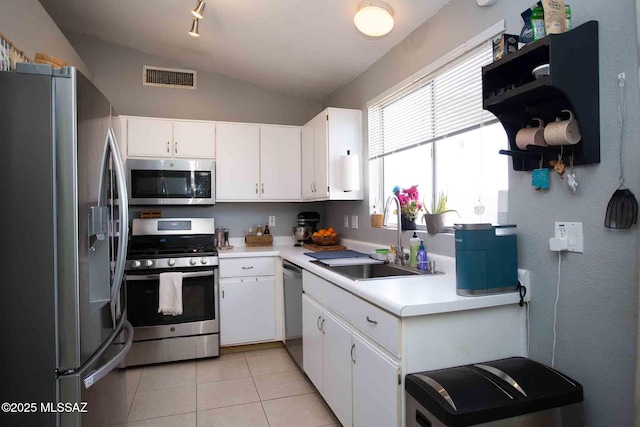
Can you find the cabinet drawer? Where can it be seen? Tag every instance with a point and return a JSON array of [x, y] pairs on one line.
[[376, 323], [314, 286], [236, 267]]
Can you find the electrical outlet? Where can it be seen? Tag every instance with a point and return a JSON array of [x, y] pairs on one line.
[[346, 221], [272, 221], [354, 221], [621, 79], [572, 231]]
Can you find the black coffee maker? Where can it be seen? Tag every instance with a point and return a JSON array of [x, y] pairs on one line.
[[307, 225]]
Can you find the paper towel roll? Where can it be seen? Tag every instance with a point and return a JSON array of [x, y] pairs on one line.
[[350, 172]]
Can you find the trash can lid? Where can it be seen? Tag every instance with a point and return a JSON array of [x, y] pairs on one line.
[[489, 391]]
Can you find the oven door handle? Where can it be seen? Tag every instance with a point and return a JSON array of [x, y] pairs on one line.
[[135, 277]]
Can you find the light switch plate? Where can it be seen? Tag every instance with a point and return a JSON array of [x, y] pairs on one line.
[[572, 231], [272, 221], [354, 221]]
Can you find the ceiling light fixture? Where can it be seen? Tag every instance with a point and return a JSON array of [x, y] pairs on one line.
[[199, 10], [194, 29], [374, 18]]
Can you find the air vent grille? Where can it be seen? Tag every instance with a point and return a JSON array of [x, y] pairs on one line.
[[168, 77]]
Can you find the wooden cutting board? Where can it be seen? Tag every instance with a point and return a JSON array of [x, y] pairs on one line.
[[318, 248]]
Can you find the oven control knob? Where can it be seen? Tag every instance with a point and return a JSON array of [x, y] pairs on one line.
[[136, 264], [148, 263], [171, 262], [203, 260], [193, 261]]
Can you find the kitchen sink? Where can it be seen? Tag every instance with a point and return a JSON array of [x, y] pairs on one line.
[[374, 271]]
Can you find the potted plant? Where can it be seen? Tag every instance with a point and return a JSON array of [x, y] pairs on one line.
[[410, 206], [434, 218]]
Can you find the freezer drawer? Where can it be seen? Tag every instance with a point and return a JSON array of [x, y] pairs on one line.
[[507, 392]]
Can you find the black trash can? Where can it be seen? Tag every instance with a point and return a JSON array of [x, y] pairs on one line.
[[509, 392]]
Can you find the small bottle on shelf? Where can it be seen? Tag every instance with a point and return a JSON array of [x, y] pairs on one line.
[[259, 230], [266, 229]]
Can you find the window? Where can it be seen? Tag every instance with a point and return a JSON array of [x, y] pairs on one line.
[[434, 133]]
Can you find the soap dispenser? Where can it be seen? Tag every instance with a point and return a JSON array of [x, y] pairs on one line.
[[414, 246], [422, 257]]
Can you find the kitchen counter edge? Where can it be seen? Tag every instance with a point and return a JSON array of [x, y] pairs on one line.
[[402, 297]]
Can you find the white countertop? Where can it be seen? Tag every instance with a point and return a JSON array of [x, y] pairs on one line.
[[404, 296]]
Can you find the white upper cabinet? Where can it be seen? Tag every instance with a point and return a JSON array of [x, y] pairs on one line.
[[147, 137], [325, 139], [280, 163], [237, 162], [257, 162], [308, 154], [194, 140]]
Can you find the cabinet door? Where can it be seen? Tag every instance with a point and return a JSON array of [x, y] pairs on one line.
[[337, 368], [194, 140], [376, 392], [321, 153], [280, 169], [237, 161], [307, 161], [149, 138], [312, 341], [247, 310]]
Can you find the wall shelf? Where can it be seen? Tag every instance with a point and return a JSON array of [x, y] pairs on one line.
[[511, 92]]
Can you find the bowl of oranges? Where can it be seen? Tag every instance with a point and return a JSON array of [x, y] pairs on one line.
[[325, 237]]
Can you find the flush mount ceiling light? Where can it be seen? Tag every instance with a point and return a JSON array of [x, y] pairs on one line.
[[199, 10], [374, 18], [194, 29]]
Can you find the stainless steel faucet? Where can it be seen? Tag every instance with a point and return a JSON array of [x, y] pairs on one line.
[[400, 256]]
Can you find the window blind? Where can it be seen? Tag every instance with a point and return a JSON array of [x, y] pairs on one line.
[[445, 102]]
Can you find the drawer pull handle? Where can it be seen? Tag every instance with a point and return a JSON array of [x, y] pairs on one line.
[[353, 346], [322, 326], [318, 322], [375, 322], [247, 268], [168, 150]]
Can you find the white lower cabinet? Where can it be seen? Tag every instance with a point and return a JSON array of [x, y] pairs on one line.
[[336, 365], [376, 387], [247, 310], [358, 382], [312, 352]]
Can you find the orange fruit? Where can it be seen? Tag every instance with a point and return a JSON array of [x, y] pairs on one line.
[[333, 234], [316, 234], [331, 230]]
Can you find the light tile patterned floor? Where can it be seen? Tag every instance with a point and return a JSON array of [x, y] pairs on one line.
[[262, 388]]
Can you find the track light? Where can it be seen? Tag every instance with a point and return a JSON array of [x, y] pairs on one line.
[[199, 10], [194, 29]]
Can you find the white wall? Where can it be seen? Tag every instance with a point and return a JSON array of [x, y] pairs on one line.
[[598, 309], [31, 29]]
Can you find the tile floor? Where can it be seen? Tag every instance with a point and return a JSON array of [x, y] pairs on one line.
[[261, 388]]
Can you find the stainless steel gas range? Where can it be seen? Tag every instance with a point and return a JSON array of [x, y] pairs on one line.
[[185, 245]]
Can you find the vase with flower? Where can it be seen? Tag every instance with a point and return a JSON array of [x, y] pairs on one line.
[[410, 205]]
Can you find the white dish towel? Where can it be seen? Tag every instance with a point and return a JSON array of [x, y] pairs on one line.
[[170, 301]]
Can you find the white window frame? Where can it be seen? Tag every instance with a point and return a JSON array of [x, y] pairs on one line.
[[426, 73]]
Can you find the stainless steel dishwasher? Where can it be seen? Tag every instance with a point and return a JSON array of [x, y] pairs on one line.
[[293, 310]]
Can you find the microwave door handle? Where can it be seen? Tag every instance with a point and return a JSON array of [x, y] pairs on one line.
[[123, 212], [133, 277]]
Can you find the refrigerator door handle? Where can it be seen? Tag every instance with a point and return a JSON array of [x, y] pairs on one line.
[[123, 213], [101, 372]]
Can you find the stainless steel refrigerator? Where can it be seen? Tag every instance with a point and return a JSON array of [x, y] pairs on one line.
[[64, 237]]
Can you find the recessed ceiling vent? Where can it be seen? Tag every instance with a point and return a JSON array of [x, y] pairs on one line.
[[168, 77]]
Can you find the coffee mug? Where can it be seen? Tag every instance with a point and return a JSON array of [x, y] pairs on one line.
[[531, 135], [563, 132]]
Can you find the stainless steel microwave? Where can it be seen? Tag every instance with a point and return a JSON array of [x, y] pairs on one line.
[[171, 182]]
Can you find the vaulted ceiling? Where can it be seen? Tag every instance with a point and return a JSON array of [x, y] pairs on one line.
[[305, 48]]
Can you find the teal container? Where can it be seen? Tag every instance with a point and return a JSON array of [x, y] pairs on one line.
[[486, 259]]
